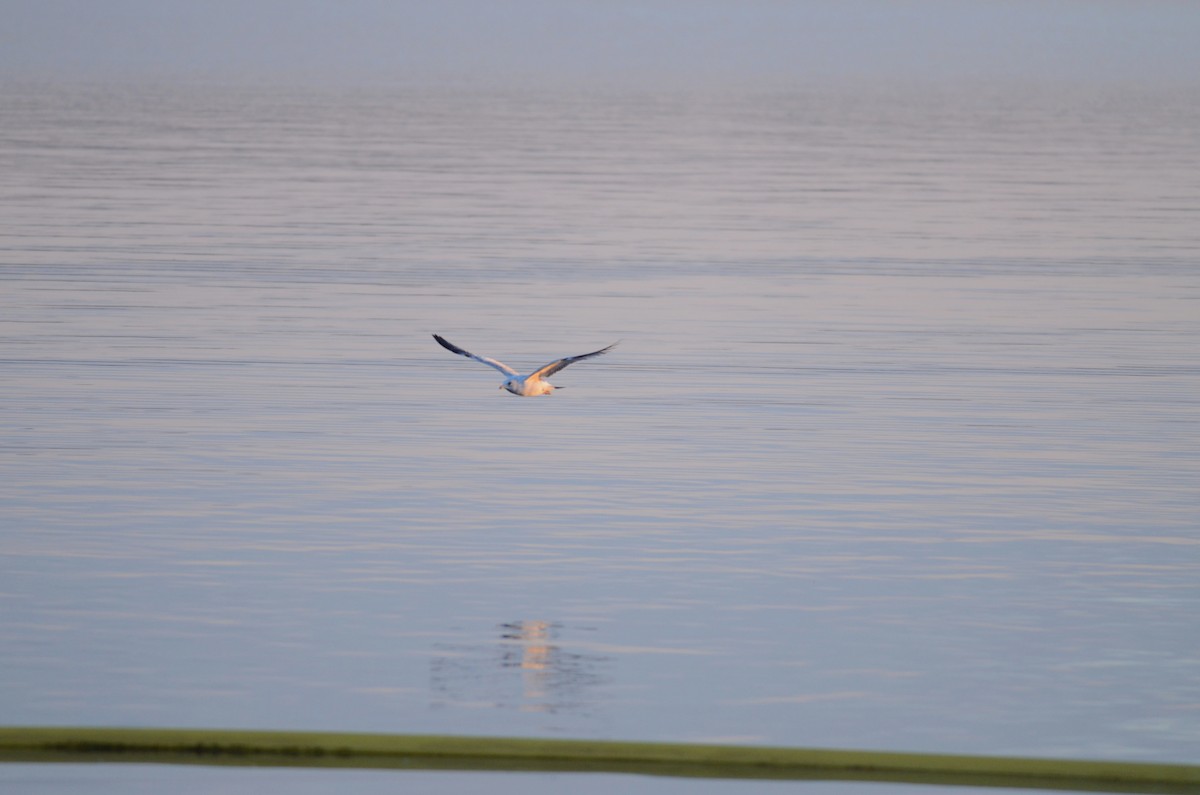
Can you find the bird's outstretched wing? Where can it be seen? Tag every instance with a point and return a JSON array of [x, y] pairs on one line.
[[504, 368], [554, 367]]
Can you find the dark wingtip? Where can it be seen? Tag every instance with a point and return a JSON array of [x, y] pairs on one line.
[[450, 346]]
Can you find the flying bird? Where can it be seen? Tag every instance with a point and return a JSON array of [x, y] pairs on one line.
[[530, 385]]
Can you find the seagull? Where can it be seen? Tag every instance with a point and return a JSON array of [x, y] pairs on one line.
[[530, 385]]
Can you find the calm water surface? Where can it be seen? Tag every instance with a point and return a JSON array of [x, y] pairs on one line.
[[899, 449]]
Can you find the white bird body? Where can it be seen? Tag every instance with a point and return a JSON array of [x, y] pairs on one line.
[[532, 385], [526, 386]]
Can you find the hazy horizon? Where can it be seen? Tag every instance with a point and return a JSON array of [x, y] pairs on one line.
[[700, 41]]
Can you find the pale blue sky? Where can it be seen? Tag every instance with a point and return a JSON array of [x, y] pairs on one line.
[[621, 40]]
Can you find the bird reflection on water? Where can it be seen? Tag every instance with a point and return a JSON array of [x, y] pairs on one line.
[[526, 669]]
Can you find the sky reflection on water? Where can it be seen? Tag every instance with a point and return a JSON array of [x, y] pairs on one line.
[[898, 450]]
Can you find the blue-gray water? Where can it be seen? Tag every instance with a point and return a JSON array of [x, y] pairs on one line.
[[899, 448]]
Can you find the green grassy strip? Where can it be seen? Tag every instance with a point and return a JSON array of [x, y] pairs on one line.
[[267, 748]]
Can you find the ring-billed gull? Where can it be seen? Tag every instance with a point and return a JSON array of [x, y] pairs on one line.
[[530, 385]]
